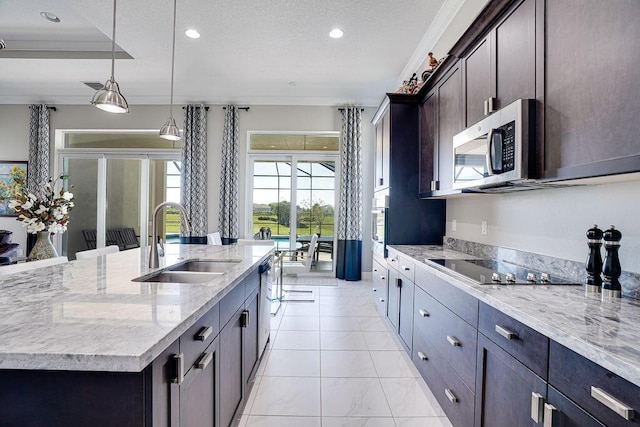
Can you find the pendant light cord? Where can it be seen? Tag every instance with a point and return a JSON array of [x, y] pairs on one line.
[[173, 54], [113, 42]]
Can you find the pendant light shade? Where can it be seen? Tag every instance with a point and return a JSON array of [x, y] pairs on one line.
[[169, 130], [109, 97]]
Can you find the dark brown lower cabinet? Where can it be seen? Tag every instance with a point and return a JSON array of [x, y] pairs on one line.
[[505, 388], [198, 390], [250, 338], [231, 380]]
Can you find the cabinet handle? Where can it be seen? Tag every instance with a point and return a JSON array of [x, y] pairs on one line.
[[398, 283], [375, 270], [204, 333], [537, 407], [486, 107], [405, 268], [491, 103], [422, 356], [551, 416], [178, 359], [204, 360], [381, 299], [433, 186], [374, 290], [506, 333], [452, 397], [454, 342], [244, 320], [423, 313], [380, 181], [612, 403], [382, 277]]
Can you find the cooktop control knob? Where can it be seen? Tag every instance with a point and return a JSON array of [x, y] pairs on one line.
[[545, 278], [495, 278], [511, 278], [531, 277]]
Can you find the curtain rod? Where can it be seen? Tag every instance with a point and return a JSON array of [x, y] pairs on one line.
[[239, 108], [342, 109], [52, 108], [206, 108]]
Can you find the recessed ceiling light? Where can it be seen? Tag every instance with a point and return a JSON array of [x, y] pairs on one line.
[[49, 16], [192, 34], [336, 33]]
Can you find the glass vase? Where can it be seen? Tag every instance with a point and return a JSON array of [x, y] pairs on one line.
[[43, 248]]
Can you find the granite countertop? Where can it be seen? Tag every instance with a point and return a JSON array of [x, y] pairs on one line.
[[88, 315], [604, 332]]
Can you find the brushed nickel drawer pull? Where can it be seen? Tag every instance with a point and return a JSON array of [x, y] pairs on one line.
[[204, 333], [204, 361], [381, 299], [452, 397], [537, 407], [382, 278], [612, 403], [506, 333], [551, 416], [422, 356], [178, 359], [374, 289], [454, 342], [405, 268], [423, 313]]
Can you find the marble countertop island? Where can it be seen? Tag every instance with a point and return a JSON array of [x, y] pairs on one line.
[[89, 315], [607, 333]]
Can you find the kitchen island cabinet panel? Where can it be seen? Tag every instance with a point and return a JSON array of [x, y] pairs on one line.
[[231, 379], [567, 413], [198, 391], [250, 331]]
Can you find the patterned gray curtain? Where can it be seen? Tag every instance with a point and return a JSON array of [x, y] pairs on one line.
[[38, 173], [228, 215], [349, 262], [194, 169]]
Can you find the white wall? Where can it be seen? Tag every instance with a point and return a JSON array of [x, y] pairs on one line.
[[552, 221], [14, 141]]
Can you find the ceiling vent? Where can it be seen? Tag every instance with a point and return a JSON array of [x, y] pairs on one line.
[[94, 85]]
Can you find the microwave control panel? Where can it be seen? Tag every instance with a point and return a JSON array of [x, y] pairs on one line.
[[508, 146]]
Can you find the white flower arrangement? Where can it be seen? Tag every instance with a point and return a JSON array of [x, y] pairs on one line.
[[45, 213]]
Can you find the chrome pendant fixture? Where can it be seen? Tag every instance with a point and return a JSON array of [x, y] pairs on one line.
[[109, 97], [169, 130]]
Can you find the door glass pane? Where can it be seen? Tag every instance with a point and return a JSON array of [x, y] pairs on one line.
[[164, 185], [81, 231], [271, 197], [123, 203]]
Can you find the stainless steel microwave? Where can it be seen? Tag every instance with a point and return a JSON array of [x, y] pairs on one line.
[[497, 150]]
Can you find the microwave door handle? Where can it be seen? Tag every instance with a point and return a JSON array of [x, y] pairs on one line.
[[489, 158]]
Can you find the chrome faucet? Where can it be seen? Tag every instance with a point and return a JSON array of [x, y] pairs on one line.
[[153, 255]]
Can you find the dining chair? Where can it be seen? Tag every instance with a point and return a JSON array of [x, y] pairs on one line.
[[25, 266], [297, 267], [93, 253], [214, 238]]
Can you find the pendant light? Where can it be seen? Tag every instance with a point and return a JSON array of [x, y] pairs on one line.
[[169, 130], [109, 97]]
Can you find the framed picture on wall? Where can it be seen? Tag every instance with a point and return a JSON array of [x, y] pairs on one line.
[[9, 171]]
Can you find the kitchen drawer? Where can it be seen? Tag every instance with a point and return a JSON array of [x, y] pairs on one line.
[[379, 290], [407, 267], [454, 338], [393, 260], [456, 300], [530, 347], [196, 339], [231, 303], [455, 398], [566, 413], [579, 378]]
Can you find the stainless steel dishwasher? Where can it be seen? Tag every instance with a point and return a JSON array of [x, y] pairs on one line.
[[264, 306]]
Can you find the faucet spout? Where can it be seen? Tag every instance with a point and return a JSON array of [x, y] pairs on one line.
[[153, 255]]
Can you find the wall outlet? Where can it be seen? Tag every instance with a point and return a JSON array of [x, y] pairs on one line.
[[454, 225], [485, 228]]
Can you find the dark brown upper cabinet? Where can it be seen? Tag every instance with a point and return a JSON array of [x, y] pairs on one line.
[[590, 124], [501, 67]]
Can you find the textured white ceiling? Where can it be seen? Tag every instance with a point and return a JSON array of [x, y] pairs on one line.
[[248, 53]]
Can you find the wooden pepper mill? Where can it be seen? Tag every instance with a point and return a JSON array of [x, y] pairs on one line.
[[611, 285], [594, 260]]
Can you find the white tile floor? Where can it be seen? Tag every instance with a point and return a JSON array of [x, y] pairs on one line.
[[335, 363]]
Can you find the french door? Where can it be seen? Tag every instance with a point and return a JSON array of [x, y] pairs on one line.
[[295, 197]]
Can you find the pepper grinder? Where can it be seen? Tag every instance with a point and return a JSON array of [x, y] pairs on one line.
[[594, 260], [611, 288]]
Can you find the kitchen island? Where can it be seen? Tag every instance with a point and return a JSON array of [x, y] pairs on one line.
[[84, 335]]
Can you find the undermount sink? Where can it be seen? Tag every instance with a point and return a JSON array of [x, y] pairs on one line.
[[207, 265], [169, 276]]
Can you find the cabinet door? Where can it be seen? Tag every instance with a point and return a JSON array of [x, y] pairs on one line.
[[592, 58], [505, 387], [379, 290], [428, 158], [560, 411], [405, 327], [378, 156], [478, 81], [165, 392], [515, 58], [449, 124], [230, 368], [393, 303], [198, 390], [250, 337], [386, 150]]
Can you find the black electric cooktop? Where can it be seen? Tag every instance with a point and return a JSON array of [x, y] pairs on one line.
[[487, 271]]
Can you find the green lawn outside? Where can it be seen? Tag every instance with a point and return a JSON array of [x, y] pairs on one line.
[[326, 230]]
